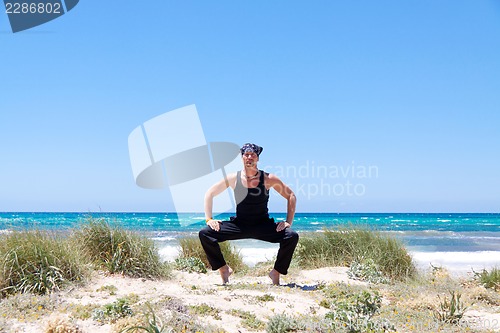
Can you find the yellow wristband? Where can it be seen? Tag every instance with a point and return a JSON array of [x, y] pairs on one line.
[[206, 221]]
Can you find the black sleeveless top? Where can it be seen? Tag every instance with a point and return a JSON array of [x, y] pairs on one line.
[[251, 203]]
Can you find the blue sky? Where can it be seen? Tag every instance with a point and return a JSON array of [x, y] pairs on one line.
[[410, 89]]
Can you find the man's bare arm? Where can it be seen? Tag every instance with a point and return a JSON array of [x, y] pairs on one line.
[[211, 193], [286, 192]]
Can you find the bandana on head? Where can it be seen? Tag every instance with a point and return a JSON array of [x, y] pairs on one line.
[[251, 148]]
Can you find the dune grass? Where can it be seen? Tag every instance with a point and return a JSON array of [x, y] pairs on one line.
[[191, 247], [117, 250], [342, 247], [38, 262], [41, 262], [489, 279], [346, 245]]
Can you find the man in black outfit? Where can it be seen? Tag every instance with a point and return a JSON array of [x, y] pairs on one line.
[[251, 190]]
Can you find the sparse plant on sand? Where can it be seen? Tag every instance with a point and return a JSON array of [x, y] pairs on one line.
[[153, 324], [489, 279], [452, 310], [110, 313]]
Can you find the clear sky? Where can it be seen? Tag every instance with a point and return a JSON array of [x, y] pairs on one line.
[[361, 106]]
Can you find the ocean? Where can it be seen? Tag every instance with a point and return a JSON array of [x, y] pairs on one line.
[[459, 242]]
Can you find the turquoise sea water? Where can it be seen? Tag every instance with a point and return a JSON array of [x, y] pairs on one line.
[[459, 241]]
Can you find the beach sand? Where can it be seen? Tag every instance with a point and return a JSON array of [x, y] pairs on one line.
[[192, 289], [298, 295]]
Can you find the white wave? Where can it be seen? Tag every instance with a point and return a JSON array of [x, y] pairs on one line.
[[169, 252], [5, 231], [252, 256], [163, 238], [458, 262]]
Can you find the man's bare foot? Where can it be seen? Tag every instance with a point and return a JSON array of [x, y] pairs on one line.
[[275, 277], [225, 271]]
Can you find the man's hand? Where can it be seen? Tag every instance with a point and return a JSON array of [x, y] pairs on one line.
[[214, 224], [282, 226]]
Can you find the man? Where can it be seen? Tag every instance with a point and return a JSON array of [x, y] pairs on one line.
[[251, 190]]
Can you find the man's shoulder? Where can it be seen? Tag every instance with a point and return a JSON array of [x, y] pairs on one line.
[[232, 175], [271, 176]]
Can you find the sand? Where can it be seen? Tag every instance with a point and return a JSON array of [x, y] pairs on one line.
[[297, 295]]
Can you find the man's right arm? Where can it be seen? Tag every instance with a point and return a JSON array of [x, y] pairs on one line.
[[212, 192]]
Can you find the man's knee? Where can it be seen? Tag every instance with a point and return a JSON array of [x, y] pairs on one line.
[[204, 232], [292, 235]]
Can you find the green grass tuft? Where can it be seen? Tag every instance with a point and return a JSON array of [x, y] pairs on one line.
[[38, 262], [347, 245], [489, 279], [120, 251], [191, 248]]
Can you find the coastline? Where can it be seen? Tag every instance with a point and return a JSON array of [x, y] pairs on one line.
[[460, 242]]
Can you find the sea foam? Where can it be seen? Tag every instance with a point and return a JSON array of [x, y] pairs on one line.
[[458, 262]]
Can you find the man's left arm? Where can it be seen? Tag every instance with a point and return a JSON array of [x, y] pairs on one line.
[[286, 192]]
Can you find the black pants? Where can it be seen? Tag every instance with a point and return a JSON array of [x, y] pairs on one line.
[[265, 231]]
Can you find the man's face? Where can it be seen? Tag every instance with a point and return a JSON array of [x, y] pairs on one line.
[[250, 159]]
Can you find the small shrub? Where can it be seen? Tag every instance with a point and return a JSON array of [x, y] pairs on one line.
[[61, 324], [450, 311], [282, 323], [366, 270], [120, 251], [82, 312], [110, 313], [132, 324], [183, 318], [355, 313], [191, 264], [151, 324], [265, 298], [205, 310], [109, 289], [252, 322], [363, 304], [249, 320], [325, 304]]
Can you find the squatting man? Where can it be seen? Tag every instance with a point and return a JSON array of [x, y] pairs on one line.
[[251, 191]]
